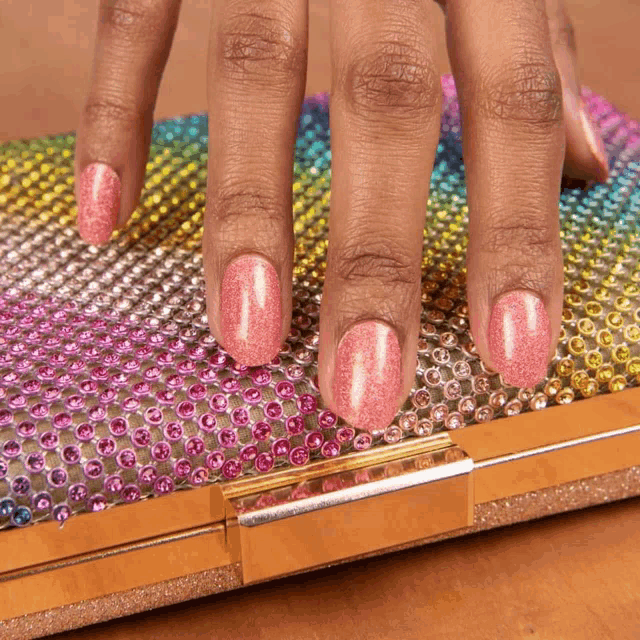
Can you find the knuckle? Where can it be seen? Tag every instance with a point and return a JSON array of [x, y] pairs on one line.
[[255, 44], [377, 261], [104, 112], [522, 239], [393, 79], [134, 19], [528, 91]]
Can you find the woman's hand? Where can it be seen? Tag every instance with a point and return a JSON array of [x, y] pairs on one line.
[[514, 65]]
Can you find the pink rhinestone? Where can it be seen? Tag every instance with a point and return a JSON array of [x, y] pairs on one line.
[[141, 437], [113, 484], [26, 429], [261, 377], [301, 492], [484, 414], [230, 385], [44, 373], [182, 468], [439, 412], [126, 459], [57, 477], [141, 389], [65, 379], [163, 485], [467, 405], [207, 376], [39, 410], [152, 373], [88, 387], [84, 432], [197, 392], [166, 397], [252, 395], [186, 368], [480, 384], [106, 447], [264, 462], [153, 416], [281, 447], [42, 502], [161, 451], [273, 410], [173, 431], [432, 377], [214, 460], [12, 449], [118, 426], [207, 422], [240, 417], [17, 401], [97, 413], [93, 469], [362, 441], [314, 440], [454, 421], [294, 372], [78, 492], [231, 469], [227, 438], [327, 419], [6, 416], [199, 476], [61, 513], [130, 366], [186, 410], [21, 485], [74, 403], [307, 403], [218, 360], [345, 434], [49, 440], [12, 378], [218, 403], [131, 493], [100, 373], [294, 425], [176, 345], [175, 381], [285, 390], [299, 456], [97, 502], [71, 454], [166, 359], [452, 389], [194, 446], [147, 475], [261, 431], [107, 396], [248, 453], [392, 434]]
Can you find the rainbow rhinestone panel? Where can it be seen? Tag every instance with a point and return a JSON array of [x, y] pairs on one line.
[[112, 389]]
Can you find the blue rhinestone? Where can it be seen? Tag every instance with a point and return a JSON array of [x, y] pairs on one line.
[[21, 516], [6, 507]]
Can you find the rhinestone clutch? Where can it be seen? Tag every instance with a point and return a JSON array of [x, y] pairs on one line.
[[115, 398]]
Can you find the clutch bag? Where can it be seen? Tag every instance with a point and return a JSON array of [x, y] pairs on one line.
[[141, 466]]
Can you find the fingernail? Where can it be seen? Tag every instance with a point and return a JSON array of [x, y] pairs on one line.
[[367, 377], [594, 140], [98, 203], [250, 310], [520, 338]]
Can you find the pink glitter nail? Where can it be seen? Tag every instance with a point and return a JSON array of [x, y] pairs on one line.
[[98, 203], [250, 307], [367, 380], [519, 338]]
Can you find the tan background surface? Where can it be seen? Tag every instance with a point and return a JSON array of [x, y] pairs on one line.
[[570, 577]]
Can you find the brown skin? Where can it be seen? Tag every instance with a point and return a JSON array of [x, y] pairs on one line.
[[511, 61]]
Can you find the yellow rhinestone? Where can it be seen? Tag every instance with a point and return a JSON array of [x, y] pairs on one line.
[[564, 367], [586, 327], [622, 303], [593, 359], [590, 388], [604, 338], [614, 320], [576, 346], [573, 299], [604, 373], [617, 383], [601, 294], [632, 333], [630, 289], [579, 379], [567, 315], [621, 353], [633, 366], [593, 308], [565, 396]]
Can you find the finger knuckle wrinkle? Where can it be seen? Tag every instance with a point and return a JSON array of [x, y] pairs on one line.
[[238, 205], [256, 44], [529, 92], [524, 237], [393, 79], [135, 18], [100, 111]]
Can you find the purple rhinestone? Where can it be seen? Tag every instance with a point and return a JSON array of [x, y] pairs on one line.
[[227, 438], [281, 447], [199, 476], [248, 452], [214, 460], [264, 462], [261, 430], [299, 456], [71, 454], [106, 447], [314, 440], [163, 485], [57, 477], [154, 416], [273, 410], [197, 392], [126, 459], [161, 451], [61, 513], [93, 469], [294, 425], [147, 475], [42, 502], [21, 485], [207, 422], [240, 417], [49, 440], [231, 469], [141, 437], [327, 419], [113, 484], [218, 403], [85, 432], [12, 449], [97, 502], [330, 449], [285, 390], [173, 431], [131, 493], [118, 426], [186, 410], [194, 446], [252, 395], [182, 468], [78, 492]]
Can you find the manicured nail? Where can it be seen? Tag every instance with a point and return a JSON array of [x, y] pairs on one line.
[[98, 203], [594, 140], [250, 310], [367, 377], [519, 338]]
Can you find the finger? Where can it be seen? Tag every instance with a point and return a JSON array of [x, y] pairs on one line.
[[586, 156], [132, 46], [385, 111], [513, 136], [257, 68]]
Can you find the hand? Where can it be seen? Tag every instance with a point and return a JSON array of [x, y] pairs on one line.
[[514, 65]]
